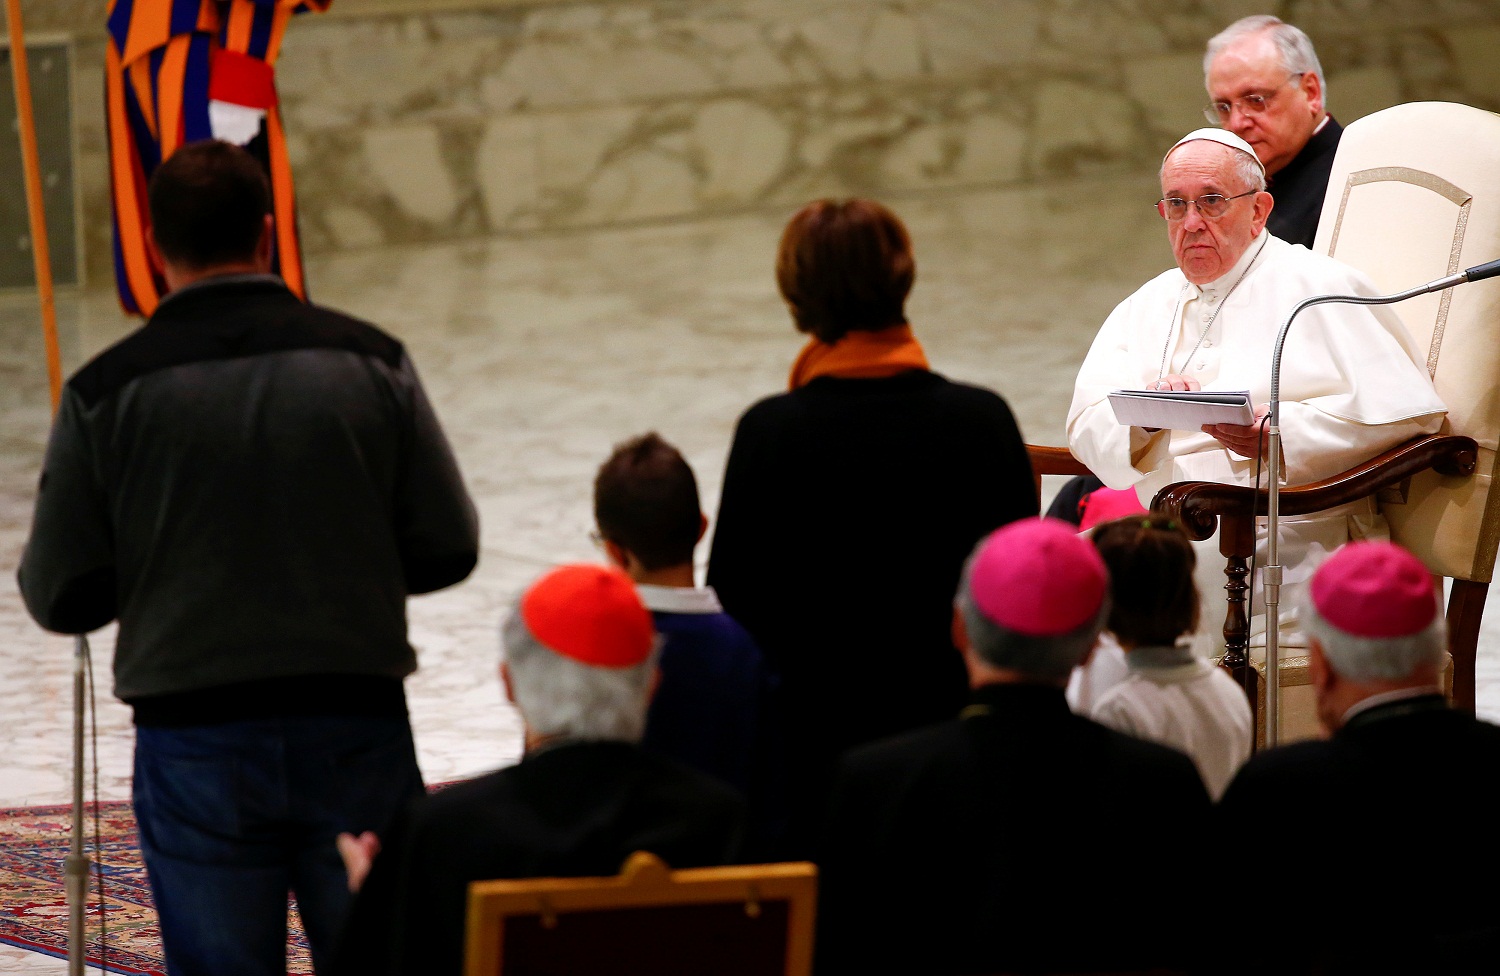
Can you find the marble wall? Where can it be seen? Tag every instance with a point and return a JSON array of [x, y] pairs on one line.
[[424, 120]]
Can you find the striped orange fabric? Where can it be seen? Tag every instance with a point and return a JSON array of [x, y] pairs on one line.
[[145, 97], [169, 95], [150, 28], [278, 30], [141, 26], [288, 248], [159, 71], [236, 35], [139, 290]]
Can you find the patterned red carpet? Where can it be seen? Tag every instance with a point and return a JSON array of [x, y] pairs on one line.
[[34, 841]]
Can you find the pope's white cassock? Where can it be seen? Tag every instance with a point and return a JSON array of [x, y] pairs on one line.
[[1352, 386]]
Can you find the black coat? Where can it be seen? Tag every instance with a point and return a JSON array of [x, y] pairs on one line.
[[1384, 837], [253, 486], [1300, 187], [573, 810], [1023, 838], [848, 508]]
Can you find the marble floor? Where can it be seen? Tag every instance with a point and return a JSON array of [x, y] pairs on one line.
[[540, 354]]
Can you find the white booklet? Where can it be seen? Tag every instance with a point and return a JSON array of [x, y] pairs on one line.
[[1182, 409]]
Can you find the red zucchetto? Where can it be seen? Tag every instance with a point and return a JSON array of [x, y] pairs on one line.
[[591, 614]]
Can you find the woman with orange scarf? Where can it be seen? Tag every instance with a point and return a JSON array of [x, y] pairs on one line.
[[851, 501]]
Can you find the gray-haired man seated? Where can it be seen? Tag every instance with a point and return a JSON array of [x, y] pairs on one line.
[[1017, 837], [1390, 821], [580, 666]]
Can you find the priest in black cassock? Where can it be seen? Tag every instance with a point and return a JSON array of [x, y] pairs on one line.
[[580, 667], [1384, 827], [1266, 86], [1017, 837]]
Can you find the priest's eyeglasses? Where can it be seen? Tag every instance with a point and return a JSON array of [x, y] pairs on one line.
[[1251, 104], [1211, 206]]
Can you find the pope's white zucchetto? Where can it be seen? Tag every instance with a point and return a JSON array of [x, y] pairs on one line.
[[1224, 138]]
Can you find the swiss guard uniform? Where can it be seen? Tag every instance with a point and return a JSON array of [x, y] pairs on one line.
[[179, 71]]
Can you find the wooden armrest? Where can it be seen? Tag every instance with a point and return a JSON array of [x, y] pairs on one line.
[[1054, 460], [1198, 505], [1202, 506]]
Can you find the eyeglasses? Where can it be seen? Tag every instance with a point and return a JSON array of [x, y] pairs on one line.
[[1251, 104], [1211, 206]]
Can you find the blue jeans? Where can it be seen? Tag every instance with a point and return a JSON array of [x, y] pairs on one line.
[[234, 816]]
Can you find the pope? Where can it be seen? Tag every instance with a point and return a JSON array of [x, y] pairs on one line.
[[1352, 380]]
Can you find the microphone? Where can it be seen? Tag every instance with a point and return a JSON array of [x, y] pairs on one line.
[[1476, 273], [1272, 573], [1483, 271]]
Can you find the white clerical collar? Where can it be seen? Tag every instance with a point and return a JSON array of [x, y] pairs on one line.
[[1220, 286], [679, 599]]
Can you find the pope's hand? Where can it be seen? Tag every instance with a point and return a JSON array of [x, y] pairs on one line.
[[1247, 442], [1174, 381]]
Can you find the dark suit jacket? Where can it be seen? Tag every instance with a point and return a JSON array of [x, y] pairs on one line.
[[253, 486], [1385, 834], [848, 508], [1301, 185], [1020, 839], [574, 809]]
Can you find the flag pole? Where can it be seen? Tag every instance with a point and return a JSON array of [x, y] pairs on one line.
[[41, 255], [77, 864]]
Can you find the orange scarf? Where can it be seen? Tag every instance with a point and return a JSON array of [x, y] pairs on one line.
[[860, 355]]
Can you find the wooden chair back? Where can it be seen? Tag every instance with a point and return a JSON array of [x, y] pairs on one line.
[[746, 920], [1414, 196]]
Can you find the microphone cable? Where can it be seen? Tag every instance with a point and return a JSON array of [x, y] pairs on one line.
[[1260, 442]]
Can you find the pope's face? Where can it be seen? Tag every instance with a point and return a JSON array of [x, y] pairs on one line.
[[1293, 103], [1205, 249]]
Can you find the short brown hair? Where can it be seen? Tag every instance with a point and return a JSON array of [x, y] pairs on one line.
[[1151, 562], [208, 203], [845, 266], [646, 500]]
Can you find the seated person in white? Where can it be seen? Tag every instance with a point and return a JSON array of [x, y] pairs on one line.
[[1352, 382], [1169, 695], [1106, 667]]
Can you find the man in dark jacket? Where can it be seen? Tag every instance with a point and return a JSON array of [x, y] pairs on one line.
[[580, 666], [990, 843], [252, 486], [1387, 822]]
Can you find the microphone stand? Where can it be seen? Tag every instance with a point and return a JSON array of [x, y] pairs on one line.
[[76, 865], [1272, 577]]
